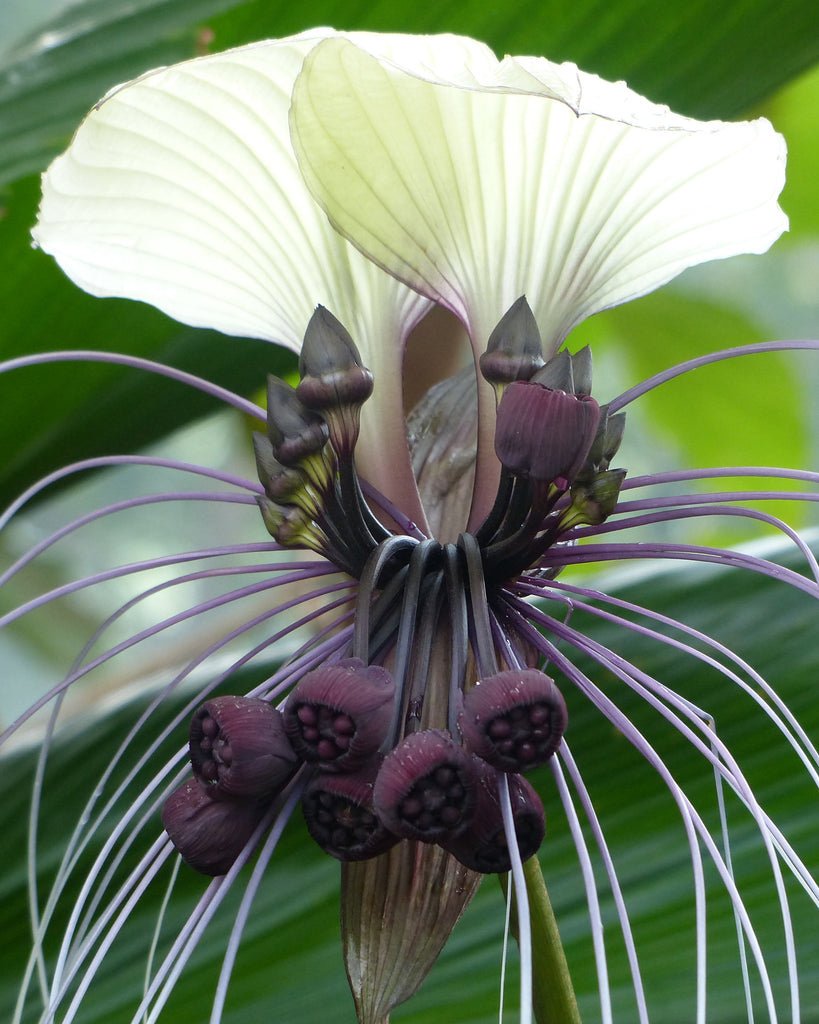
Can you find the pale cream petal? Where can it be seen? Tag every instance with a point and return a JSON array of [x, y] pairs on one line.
[[492, 179], [181, 189]]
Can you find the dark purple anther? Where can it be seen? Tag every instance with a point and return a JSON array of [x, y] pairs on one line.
[[338, 810], [425, 788], [239, 747], [483, 846], [340, 713], [514, 720], [209, 834]]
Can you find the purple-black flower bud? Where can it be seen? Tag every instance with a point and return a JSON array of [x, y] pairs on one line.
[[295, 432], [483, 846], [514, 720], [514, 349], [544, 434], [239, 747], [209, 834], [557, 374], [426, 787], [339, 714], [338, 810], [332, 373], [281, 483]]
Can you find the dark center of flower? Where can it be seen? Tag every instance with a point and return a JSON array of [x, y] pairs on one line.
[[420, 734]]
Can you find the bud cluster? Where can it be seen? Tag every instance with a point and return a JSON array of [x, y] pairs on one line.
[[554, 444], [305, 460]]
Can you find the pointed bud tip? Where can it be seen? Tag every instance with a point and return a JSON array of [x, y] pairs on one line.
[[514, 350], [330, 366]]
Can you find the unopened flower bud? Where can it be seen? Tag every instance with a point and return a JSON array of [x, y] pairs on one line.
[[295, 432], [339, 714], [483, 846], [296, 528], [514, 720], [567, 372], [544, 434], [209, 834], [332, 373], [272, 514], [239, 747], [557, 373], [582, 371], [426, 787], [338, 810], [514, 349], [281, 483]]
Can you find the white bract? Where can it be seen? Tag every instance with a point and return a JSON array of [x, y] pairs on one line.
[[469, 179]]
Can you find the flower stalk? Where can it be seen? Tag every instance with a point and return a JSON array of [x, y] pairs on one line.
[[553, 996]]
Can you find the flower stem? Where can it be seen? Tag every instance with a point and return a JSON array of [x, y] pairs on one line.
[[554, 1001]]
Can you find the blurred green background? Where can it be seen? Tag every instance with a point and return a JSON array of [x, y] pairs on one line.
[[736, 59]]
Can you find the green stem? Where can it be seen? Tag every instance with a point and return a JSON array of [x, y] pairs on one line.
[[553, 995]]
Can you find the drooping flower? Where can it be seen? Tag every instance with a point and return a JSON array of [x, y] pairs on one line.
[[523, 196]]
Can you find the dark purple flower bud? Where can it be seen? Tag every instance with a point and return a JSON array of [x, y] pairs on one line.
[[514, 720], [332, 373], [339, 714], [338, 810], [281, 483], [239, 747], [483, 847], [426, 787], [513, 351], [544, 434], [295, 432], [209, 834], [557, 374]]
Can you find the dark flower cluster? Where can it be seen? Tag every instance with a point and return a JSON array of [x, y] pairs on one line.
[[405, 753]]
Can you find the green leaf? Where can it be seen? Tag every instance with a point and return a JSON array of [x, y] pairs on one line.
[[290, 963], [53, 415], [48, 84]]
